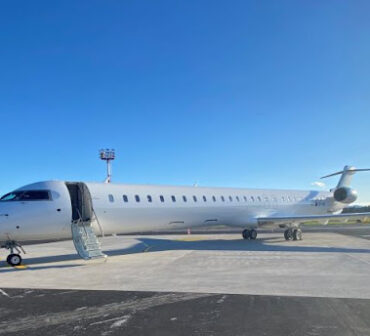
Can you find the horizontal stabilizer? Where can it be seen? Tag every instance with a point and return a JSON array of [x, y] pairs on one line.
[[343, 171], [347, 173]]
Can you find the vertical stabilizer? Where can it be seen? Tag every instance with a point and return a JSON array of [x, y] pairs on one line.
[[346, 178]]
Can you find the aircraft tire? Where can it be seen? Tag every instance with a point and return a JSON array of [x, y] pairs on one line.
[[246, 234], [14, 259], [297, 234], [253, 234], [288, 234]]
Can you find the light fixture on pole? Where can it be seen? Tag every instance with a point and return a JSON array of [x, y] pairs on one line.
[[107, 155]]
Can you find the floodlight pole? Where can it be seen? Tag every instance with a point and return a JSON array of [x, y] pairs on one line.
[[107, 155], [109, 172]]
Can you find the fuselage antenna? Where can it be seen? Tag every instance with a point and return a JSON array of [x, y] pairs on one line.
[[108, 155]]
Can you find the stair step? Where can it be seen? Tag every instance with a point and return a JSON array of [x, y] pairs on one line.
[[85, 241]]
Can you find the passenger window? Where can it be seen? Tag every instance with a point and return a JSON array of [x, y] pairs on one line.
[[252, 198], [111, 198], [195, 199], [259, 198], [237, 198], [137, 198], [245, 198], [222, 199], [125, 199], [214, 198], [230, 198], [184, 198], [204, 198], [161, 198], [149, 198], [173, 198]]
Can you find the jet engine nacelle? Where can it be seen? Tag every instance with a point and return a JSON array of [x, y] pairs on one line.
[[345, 195]]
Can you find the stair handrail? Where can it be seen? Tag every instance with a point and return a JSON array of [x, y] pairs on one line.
[[97, 220]]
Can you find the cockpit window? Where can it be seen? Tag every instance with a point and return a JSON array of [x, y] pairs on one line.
[[10, 196], [27, 195]]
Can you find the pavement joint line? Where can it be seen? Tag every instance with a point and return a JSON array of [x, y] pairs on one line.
[[147, 247], [357, 259]]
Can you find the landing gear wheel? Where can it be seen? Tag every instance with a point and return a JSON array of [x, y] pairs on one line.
[[14, 259], [297, 234], [253, 234], [288, 234], [246, 234]]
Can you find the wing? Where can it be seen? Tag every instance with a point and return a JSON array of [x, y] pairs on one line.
[[343, 218]]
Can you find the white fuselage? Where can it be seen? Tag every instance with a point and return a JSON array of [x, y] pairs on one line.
[[153, 207]]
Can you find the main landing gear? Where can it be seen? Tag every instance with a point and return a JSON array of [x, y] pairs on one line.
[[249, 234], [293, 234], [13, 259]]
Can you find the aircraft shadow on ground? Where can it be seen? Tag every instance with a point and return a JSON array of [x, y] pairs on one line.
[[159, 244], [4, 268], [137, 248], [241, 245]]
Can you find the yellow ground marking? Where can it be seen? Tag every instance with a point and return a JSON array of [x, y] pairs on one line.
[[18, 267], [190, 239]]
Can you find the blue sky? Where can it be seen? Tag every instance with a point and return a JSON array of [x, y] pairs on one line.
[[268, 94]]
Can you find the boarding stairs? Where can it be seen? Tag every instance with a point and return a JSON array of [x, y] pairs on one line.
[[85, 240]]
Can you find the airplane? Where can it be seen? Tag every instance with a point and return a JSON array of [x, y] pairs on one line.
[[53, 210]]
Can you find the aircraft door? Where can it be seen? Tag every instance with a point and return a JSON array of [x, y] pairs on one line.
[[80, 201]]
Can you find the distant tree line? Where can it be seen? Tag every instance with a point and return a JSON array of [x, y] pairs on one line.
[[356, 209]]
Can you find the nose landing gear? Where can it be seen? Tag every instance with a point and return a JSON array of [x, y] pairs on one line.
[[13, 259]]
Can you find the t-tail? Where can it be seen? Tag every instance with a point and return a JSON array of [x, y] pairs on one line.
[[343, 192]]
